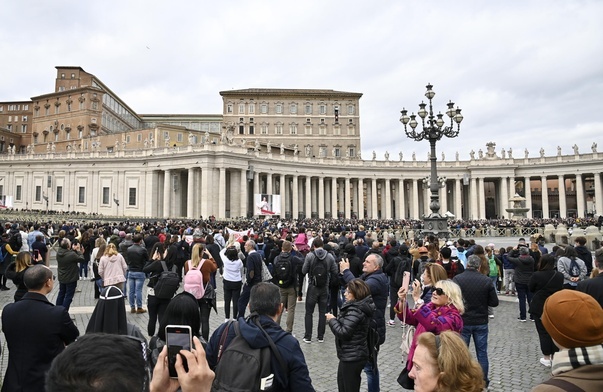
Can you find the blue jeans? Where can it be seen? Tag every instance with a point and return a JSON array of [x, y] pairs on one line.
[[136, 281], [66, 293], [480, 338], [372, 377], [523, 294]]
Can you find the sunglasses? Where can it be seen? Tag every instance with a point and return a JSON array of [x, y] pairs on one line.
[[439, 291]]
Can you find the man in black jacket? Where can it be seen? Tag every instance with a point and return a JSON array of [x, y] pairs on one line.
[[36, 331], [584, 254], [137, 259], [478, 293], [594, 286]]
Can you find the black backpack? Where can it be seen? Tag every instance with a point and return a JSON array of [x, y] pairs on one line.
[[402, 265], [319, 272], [16, 241], [242, 368], [283, 273], [168, 283]]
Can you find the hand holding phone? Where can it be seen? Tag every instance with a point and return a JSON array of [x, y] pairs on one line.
[[406, 280], [178, 337]]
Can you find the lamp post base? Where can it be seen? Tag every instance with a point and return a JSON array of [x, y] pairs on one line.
[[437, 226]]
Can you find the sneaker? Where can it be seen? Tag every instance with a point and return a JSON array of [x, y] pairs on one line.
[[522, 320], [307, 340], [321, 340], [391, 323], [546, 362], [226, 320], [491, 316]]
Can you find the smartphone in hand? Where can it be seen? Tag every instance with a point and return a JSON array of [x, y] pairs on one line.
[[406, 280], [178, 337]]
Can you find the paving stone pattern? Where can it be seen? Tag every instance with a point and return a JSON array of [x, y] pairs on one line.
[[512, 346]]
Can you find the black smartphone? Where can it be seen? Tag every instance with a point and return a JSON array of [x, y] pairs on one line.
[[36, 255], [178, 337]]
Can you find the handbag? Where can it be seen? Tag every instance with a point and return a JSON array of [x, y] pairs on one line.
[[404, 379], [408, 334], [266, 275]]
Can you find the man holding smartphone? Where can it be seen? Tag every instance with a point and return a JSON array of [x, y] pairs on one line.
[[68, 259]]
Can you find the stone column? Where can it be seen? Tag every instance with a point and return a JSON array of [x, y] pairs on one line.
[[190, 193], [458, 198], [580, 195], [545, 197], [360, 199], [415, 199], [283, 192], [269, 183], [374, 207], [308, 203], [473, 199], [482, 198], [401, 202], [244, 196], [167, 191], [369, 201], [562, 199], [347, 197], [256, 183], [388, 199], [295, 191], [222, 194], [334, 211], [504, 197], [598, 194], [321, 198], [528, 196], [443, 199]]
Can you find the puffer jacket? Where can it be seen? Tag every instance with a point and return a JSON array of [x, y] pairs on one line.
[[350, 329], [524, 268]]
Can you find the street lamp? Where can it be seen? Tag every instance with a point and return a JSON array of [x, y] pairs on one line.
[[433, 130]]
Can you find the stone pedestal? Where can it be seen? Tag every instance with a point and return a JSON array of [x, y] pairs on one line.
[[549, 233], [561, 235], [593, 238]]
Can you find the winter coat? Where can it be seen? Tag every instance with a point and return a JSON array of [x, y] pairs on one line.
[[524, 268], [67, 265], [431, 318], [112, 269], [378, 283], [478, 293], [543, 284], [350, 329]]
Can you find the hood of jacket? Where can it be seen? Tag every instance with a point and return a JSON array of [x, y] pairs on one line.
[[320, 253], [113, 258], [254, 336]]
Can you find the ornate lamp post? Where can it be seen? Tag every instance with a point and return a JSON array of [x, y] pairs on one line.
[[433, 130]]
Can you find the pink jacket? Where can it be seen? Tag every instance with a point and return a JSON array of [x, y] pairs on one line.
[[431, 318], [112, 269]]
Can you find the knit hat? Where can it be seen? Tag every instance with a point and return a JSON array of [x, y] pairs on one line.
[[573, 319]]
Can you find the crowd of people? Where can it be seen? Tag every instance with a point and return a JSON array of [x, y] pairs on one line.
[[347, 270]]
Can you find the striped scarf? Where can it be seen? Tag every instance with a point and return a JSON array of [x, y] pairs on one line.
[[566, 360]]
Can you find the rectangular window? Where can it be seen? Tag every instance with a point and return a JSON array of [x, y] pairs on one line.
[[251, 129], [179, 137], [337, 152], [251, 108], [18, 193], [24, 128], [351, 130], [24, 118], [241, 129], [352, 152], [279, 129], [323, 109], [2, 192], [132, 196], [166, 135], [293, 108], [56, 109], [322, 130], [293, 129], [264, 108], [241, 108], [105, 195], [351, 110], [308, 129], [279, 108], [264, 129], [81, 195], [322, 152], [38, 193], [308, 109], [139, 137], [229, 108], [336, 130], [81, 105]]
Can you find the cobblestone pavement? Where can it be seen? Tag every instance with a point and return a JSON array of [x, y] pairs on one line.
[[512, 346]]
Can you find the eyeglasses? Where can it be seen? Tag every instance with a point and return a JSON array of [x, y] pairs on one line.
[[439, 291]]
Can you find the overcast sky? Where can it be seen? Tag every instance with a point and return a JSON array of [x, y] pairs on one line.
[[525, 73]]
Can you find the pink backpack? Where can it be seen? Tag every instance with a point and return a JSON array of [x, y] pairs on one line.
[[193, 280]]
